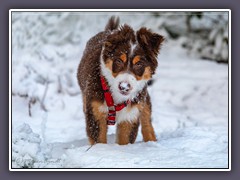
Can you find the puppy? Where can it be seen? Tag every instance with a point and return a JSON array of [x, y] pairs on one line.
[[113, 74]]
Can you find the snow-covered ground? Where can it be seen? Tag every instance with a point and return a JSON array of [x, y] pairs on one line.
[[189, 98]]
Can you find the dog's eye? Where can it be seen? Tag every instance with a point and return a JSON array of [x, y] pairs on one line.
[[138, 68], [138, 64], [117, 66], [118, 62]]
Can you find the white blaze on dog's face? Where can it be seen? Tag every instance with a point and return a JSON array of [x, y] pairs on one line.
[[129, 61]]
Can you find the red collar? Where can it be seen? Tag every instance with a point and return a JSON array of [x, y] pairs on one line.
[[112, 108]]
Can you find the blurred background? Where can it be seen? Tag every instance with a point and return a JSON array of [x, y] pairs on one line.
[[202, 33]]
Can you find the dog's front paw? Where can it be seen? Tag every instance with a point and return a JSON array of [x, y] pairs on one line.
[[149, 136]]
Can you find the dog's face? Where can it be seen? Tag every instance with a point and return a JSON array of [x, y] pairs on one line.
[[129, 60]]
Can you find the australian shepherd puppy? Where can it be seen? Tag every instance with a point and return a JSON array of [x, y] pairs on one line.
[[113, 75]]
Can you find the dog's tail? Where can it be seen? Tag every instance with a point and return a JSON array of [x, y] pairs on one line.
[[112, 24]]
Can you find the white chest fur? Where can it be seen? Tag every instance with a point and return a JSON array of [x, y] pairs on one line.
[[126, 114]]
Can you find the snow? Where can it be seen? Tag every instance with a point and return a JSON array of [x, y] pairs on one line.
[[189, 100]]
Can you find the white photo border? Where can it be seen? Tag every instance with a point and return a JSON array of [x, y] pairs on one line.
[[119, 169]]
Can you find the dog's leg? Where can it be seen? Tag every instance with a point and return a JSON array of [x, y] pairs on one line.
[[96, 123], [147, 128], [127, 132]]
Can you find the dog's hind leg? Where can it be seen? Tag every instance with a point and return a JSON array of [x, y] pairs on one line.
[[127, 132]]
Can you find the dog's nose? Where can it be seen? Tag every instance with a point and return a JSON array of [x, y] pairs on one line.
[[124, 87]]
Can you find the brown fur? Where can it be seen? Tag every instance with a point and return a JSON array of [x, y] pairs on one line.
[[123, 57], [101, 118], [114, 46], [146, 75], [127, 132], [145, 120], [136, 59]]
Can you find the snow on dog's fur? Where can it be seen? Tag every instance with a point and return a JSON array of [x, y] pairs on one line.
[[127, 60]]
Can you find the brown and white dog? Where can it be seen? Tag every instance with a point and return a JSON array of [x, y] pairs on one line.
[[113, 74]]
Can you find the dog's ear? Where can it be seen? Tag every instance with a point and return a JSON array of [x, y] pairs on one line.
[[149, 41]]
